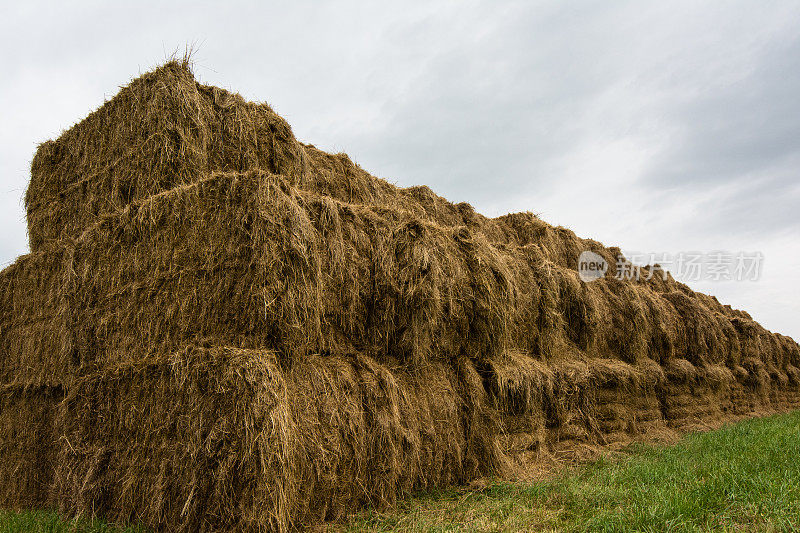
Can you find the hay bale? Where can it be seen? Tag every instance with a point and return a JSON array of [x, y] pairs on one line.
[[198, 441], [161, 131], [228, 259], [357, 417], [28, 445], [35, 322]]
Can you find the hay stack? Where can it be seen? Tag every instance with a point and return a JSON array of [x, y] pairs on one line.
[[161, 131], [222, 328]]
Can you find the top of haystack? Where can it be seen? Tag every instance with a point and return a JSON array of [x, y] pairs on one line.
[[162, 130]]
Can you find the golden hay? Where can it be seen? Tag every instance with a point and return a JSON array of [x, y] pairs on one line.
[[161, 131], [221, 328], [241, 444], [28, 445]]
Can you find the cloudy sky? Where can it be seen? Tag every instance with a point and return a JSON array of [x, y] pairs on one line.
[[660, 127]]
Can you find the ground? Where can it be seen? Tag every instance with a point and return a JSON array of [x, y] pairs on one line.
[[743, 477]]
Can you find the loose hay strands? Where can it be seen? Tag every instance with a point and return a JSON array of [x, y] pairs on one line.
[[335, 341], [161, 131], [243, 445]]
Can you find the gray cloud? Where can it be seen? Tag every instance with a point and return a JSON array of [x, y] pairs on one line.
[[744, 139]]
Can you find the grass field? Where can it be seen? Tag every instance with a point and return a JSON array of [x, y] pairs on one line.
[[49, 522], [744, 477]]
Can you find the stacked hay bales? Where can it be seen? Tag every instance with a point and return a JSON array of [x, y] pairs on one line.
[[222, 328], [161, 131]]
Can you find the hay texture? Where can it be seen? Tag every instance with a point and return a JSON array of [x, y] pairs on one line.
[[161, 131], [221, 328]]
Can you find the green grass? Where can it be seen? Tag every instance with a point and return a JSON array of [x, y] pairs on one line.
[[49, 522], [744, 477]]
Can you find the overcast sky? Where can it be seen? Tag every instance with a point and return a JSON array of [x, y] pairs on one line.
[[660, 127]]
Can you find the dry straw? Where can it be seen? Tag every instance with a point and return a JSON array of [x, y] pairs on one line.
[[221, 328]]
